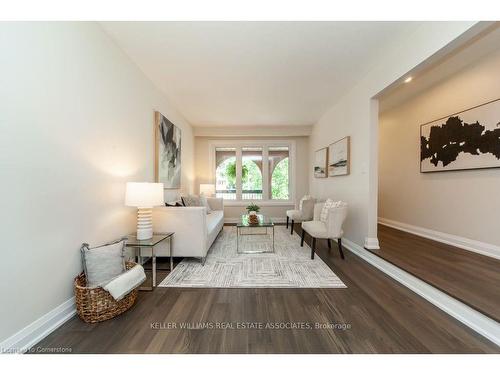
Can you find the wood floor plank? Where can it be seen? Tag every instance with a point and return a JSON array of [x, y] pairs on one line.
[[469, 277], [383, 317]]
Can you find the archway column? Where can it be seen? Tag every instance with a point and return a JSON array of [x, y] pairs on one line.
[[265, 173], [371, 239], [239, 192]]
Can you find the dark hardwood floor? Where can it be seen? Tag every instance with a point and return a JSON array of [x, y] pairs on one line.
[[375, 315], [469, 277]]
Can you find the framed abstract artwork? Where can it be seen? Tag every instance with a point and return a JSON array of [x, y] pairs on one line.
[[339, 157], [167, 152], [320, 159], [464, 140]]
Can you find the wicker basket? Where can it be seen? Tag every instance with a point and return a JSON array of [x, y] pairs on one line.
[[95, 304]]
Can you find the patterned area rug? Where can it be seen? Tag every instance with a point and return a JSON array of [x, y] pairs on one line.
[[290, 266]]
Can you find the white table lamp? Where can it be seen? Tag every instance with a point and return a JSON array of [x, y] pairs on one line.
[[208, 190], [144, 196]]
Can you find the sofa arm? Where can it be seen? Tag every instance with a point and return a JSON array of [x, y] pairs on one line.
[[189, 225], [216, 204]]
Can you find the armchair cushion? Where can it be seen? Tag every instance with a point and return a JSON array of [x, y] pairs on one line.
[[295, 215], [316, 229]]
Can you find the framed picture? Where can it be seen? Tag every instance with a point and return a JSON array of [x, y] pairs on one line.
[[320, 159], [167, 152], [464, 140], [339, 157]]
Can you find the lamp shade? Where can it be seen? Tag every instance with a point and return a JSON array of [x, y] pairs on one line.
[[207, 189], [144, 194]]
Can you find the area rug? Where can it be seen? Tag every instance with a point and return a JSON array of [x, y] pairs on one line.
[[290, 266]]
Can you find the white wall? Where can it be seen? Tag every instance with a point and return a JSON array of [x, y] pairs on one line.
[[204, 173], [355, 115], [463, 203], [76, 123]]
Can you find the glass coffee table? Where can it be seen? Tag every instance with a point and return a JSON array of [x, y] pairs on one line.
[[246, 228]]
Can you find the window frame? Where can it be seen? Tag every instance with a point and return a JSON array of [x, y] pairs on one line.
[[266, 188]]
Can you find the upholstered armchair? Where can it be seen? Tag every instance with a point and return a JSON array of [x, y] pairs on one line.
[[304, 212], [326, 224]]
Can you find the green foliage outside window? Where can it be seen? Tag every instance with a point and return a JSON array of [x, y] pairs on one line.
[[231, 174], [250, 175], [279, 181], [252, 178]]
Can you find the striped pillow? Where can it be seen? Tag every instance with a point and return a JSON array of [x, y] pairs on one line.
[[330, 203]]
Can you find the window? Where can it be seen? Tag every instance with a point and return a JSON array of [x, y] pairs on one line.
[[253, 171], [225, 173], [279, 172]]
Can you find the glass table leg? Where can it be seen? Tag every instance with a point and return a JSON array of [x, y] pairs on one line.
[[171, 255], [153, 261]]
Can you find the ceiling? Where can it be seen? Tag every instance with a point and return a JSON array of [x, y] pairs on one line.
[[255, 73], [475, 50]]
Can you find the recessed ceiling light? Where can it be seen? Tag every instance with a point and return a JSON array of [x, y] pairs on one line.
[[408, 79]]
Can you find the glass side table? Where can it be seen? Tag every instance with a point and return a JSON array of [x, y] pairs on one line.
[[149, 244]]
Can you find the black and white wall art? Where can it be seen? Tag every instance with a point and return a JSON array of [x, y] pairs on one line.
[[465, 140], [338, 157], [168, 152], [320, 159]]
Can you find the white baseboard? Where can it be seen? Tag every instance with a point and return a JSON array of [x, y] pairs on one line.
[[449, 239], [480, 323], [235, 220], [30, 335], [371, 243]]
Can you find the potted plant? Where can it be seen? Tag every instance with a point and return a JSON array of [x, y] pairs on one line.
[[252, 209]]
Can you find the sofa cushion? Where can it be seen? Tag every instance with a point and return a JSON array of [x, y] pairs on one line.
[[215, 222], [214, 219]]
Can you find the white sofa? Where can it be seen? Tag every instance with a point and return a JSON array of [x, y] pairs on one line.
[[195, 231]]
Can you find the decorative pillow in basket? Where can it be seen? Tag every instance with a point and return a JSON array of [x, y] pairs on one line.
[[109, 285]]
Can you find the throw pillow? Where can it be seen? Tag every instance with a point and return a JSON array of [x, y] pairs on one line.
[[330, 203], [174, 204], [103, 263], [191, 201], [204, 202]]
